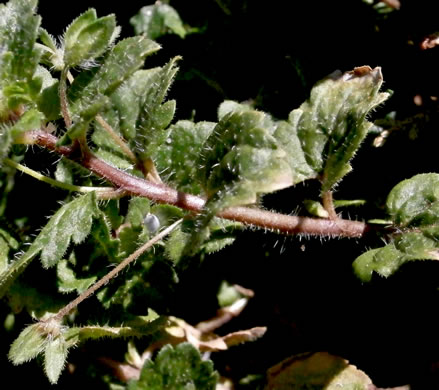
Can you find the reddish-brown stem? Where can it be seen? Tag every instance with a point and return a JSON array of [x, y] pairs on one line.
[[161, 193], [328, 205]]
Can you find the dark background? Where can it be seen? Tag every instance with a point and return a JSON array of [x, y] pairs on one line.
[[272, 53]]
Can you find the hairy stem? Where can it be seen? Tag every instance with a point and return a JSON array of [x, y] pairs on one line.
[[161, 193], [152, 173], [56, 183], [116, 138], [63, 98], [328, 205], [113, 273]]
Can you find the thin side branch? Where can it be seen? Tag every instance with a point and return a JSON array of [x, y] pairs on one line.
[[161, 193], [116, 138], [113, 273], [63, 98]]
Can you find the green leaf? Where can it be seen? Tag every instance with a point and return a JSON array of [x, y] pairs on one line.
[[87, 38], [48, 102], [18, 57], [64, 172], [30, 120], [176, 368], [5, 140], [286, 134], [157, 20], [415, 202], [155, 116], [30, 343], [178, 157], [72, 222], [413, 206], [315, 208], [137, 210], [68, 281], [55, 355], [123, 60], [227, 294], [105, 244], [332, 124], [242, 159], [4, 251], [75, 28], [6, 242], [141, 326], [45, 76]]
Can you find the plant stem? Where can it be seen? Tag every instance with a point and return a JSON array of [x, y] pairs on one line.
[[151, 170], [91, 290], [116, 138], [59, 184], [328, 205], [161, 193], [63, 97]]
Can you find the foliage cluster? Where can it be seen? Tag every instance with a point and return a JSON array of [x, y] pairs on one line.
[[138, 177]]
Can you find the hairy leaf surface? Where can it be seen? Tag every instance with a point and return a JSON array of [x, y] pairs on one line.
[[90, 99], [157, 20], [87, 37], [30, 343], [332, 124], [176, 368], [72, 222], [178, 157], [18, 55], [55, 355], [413, 206]]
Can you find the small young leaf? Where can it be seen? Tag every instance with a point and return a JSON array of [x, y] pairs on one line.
[[30, 343], [415, 201], [124, 59], [155, 116], [157, 20], [75, 28], [55, 355], [315, 208], [412, 204], [176, 368], [90, 40]]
